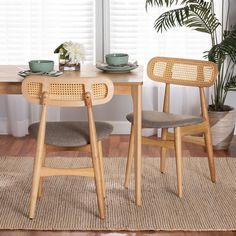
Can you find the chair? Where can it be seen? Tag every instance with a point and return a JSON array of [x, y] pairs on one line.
[[65, 136], [184, 72]]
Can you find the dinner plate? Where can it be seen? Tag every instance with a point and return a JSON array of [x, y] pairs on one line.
[[116, 69], [25, 73]]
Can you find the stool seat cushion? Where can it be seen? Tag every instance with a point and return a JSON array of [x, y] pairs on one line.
[[70, 134], [155, 119]]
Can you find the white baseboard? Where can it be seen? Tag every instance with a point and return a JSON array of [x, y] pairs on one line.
[[4, 126], [120, 127]]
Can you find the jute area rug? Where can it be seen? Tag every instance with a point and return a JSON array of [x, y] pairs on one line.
[[69, 203]]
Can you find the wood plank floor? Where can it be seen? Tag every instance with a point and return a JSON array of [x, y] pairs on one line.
[[115, 146]]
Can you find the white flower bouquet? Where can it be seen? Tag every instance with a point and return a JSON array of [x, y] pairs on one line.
[[70, 55]]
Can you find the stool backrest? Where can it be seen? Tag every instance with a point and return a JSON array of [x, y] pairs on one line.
[[197, 73], [67, 92]]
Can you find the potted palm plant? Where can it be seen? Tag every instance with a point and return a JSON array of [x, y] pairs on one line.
[[199, 15]]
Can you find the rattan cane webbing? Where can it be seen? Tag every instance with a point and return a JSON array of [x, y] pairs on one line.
[[99, 91], [182, 71], [67, 90], [34, 89]]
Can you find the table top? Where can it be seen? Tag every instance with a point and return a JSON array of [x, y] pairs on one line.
[[8, 73]]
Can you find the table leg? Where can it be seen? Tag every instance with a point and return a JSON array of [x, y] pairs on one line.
[[137, 122]]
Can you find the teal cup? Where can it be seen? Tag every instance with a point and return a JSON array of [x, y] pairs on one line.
[[41, 66], [117, 59]]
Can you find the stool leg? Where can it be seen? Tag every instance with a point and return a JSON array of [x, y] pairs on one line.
[[163, 151], [100, 155], [209, 148], [98, 183], [130, 157], [40, 190], [178, 154], [35, 183]]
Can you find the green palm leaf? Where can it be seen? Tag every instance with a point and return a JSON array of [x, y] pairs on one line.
[[161, 3], [171, 19], [202, 19], [196, 15], [227, 47]]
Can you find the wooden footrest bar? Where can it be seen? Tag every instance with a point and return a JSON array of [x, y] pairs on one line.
[[158, 142], [46, 171]]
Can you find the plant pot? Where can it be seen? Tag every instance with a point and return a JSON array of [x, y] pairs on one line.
[[222, 127]]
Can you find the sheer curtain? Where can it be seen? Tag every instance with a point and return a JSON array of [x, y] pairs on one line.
[[32, 29]]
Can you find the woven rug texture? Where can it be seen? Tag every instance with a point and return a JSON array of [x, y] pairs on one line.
[[69, 203]]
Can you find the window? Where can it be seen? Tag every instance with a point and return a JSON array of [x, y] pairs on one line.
[[32, 29], [131, 30]]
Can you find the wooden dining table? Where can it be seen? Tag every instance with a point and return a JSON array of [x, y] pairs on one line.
[[124, 84]]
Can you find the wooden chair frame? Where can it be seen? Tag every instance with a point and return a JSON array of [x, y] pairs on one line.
[[184, 133], [38, 90]]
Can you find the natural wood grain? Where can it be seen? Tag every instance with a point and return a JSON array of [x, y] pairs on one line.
[[164, 132], [137, 109], [178, 153], [124, 84], [183, 72], [95, 156], [67, 92], [100, 156], [39, 157], [207, 136], [9, 77], [130, 157]]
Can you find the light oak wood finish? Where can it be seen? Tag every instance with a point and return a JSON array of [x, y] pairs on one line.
[[130, 157], [100, 156], [183, 72], [63, 92], [40, 151], [124, 84], [178, 153], [40, 190], [164, 132], [137, 98], [95, 155]]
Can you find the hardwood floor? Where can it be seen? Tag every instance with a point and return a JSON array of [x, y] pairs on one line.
[[115, 146]]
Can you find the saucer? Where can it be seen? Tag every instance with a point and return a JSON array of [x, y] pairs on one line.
[[116, 69]]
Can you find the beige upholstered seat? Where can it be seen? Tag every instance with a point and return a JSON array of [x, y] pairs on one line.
[[183, 72], [68, 136], [155, 119], [71, 134]]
